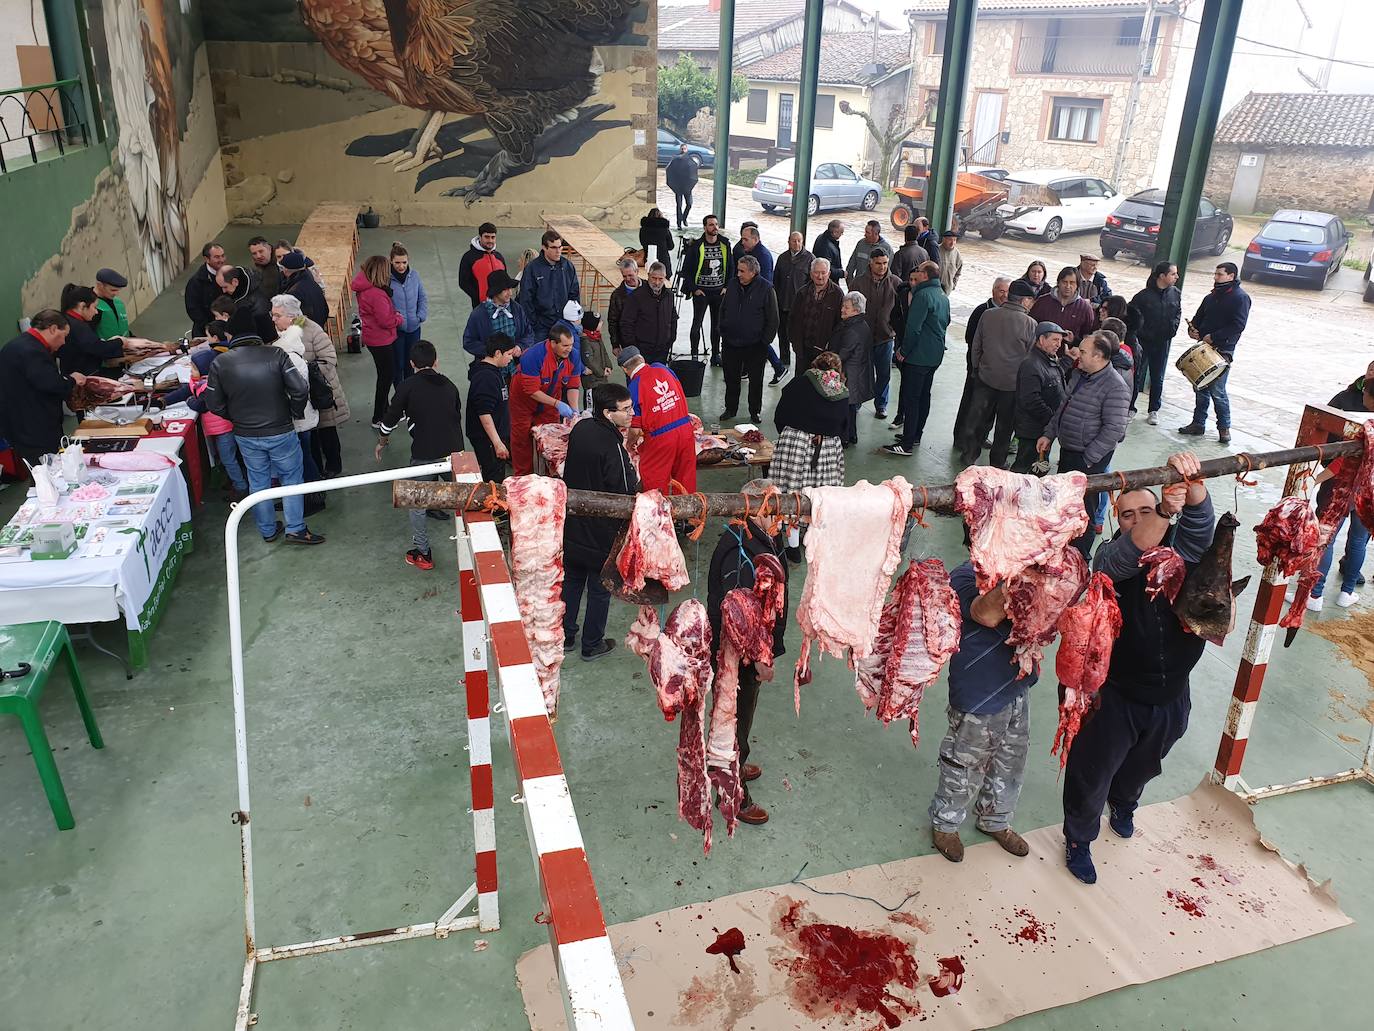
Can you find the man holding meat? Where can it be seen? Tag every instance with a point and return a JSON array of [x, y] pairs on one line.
[[545, 388], [669, 449], [1144, 704], [732, 565], [984, 753]]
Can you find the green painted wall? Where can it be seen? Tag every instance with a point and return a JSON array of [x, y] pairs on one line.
[[38, 201]]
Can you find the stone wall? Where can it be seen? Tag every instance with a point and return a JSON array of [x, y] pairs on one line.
[[1337, 180]]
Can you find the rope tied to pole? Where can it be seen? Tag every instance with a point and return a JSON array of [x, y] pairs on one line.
[[1245, 479], [920, 513]]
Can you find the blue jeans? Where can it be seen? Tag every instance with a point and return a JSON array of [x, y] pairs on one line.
[[228, 453], [579, 578], [1356, 545], [310, 471], [1216, 393], [278, 456], [1156, 361], [400, 354], [882, 374]]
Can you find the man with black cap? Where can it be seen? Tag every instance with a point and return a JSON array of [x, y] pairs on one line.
[[111, 318], [1003, 338], [951, 262], [258, 389], [1039, 393], [497, 314], [298, 281], [203, 287]]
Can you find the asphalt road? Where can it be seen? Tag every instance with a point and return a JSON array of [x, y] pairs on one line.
[[1301, 346]]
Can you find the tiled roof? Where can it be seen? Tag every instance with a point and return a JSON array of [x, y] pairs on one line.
[[697, 27], [1300, 120], [1036, 6], [843, 58]]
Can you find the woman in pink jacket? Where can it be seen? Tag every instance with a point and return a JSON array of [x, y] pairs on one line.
[[381, 321]]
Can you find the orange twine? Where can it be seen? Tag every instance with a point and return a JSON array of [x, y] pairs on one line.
[[1116, 498], [921, 512], [494, 502], [1249, 468]]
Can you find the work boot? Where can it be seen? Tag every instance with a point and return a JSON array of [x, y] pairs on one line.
[[1010, 841], [1121, 822], [1192, 430], [948, 844], [750, 771], [606, 646], [1078, 857], [753, 814], [1224, 436]]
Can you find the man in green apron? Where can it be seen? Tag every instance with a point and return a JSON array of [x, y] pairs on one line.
[[114, 320]]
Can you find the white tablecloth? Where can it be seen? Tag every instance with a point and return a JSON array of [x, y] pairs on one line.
[[86, 587]]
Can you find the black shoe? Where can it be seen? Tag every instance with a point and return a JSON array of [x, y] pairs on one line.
[[305, 537], [898, 449], [435, 513], [794, 555], [724, 416], [715, 362], [275, 533], [755, 418], [1192, 430], [314, 504], [569, 643], [606, 646], [897, 421], [1224, 436]]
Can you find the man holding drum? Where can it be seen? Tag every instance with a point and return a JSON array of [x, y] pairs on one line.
[[1220, 320]]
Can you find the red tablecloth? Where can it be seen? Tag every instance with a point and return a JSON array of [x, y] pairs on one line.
[[192, 464]]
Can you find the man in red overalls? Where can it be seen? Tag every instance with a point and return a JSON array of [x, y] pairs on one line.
[[669, 450], [543, 390]]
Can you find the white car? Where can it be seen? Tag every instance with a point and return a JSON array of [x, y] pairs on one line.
[[1084, 203]]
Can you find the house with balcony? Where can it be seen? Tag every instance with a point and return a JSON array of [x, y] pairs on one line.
[[762, 28], [1078, 84]]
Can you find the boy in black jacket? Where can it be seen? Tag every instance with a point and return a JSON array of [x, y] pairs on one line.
[[429, 400], [488, 417]]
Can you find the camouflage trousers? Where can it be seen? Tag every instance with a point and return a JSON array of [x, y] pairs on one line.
[[983, 755]]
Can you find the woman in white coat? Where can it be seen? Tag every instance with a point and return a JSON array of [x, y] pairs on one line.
[[291, 339]]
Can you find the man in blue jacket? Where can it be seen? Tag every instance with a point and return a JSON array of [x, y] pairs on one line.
[[497, 314], [548, 283], [1220, 320]]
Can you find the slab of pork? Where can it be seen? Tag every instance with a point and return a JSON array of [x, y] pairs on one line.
[[1017, 520], [1035, 599], [651, 550], [538, 506]]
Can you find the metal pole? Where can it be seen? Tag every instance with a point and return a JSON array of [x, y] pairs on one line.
[[1144, 57], [804, 151], [944, 161], [1201, 108], [939, 499], [724, 73]]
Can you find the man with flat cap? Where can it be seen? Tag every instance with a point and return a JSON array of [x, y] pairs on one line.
[[1039, 392], [112, 320]]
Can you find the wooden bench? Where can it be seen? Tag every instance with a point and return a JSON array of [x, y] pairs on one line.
[[330, 238], [595, 256]]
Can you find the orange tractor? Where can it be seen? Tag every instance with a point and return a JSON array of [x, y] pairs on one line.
[[980, 203]]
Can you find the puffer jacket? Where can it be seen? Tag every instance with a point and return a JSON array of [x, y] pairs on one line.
[[655, 232], [1093, 419], [410, 299], [320, 349], [1039, 393], [1161, 311], [257, 388], [380, 318], [292, 342], [853, 342]]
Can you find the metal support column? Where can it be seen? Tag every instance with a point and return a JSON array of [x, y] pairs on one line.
[[1201, 108], [803, 153], [724, 72], [944, 160]]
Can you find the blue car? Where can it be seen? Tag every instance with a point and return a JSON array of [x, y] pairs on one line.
[[668, 144], [1302, 246]]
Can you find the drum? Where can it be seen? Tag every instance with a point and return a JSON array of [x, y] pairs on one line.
[[1203, 364]]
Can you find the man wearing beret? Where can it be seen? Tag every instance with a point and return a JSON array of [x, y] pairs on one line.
[[113, 320]]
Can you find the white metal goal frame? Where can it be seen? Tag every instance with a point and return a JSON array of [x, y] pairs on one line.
[[1319, 422], [593, 995]]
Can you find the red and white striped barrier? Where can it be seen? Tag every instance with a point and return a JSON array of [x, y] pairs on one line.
[[1318, 422], [593, 994]]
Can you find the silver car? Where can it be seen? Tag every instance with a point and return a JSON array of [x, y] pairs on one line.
[[833, 185]]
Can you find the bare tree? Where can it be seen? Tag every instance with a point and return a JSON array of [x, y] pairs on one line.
[[889, 139]]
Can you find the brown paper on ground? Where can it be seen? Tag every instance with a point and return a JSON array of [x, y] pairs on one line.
[[1194, 886]]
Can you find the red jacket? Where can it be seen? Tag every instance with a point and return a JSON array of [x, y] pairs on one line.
[[380, 318], [660, 405]]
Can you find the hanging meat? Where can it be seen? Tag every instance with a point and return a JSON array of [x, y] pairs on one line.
[[1288, 534], [678, 656], [1015, 521], [1036, 598], [917, 634], [1351, 479], [1165, 572], [651, 550], [852, 549], [747, 619], [538, 505], [1089, 628]]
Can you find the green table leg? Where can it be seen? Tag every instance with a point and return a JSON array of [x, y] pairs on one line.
[[79, 687], [47, 769], [138, 650]]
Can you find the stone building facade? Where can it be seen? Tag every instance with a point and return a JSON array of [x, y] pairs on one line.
[[1052, 92]]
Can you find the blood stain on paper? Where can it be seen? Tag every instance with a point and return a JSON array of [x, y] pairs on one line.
[[1032, 931], [696, 1000], [910, 920], [951, 977], [1190, 905], [728, 944], [845, 972], [1210, 864]]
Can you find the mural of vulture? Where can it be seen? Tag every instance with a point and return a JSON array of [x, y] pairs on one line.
[[519, 66]]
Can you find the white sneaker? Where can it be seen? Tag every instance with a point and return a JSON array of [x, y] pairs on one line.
[[1346, 599], [1153, 418], [1314, 604]]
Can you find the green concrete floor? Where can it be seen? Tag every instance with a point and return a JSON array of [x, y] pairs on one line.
[[357, 740]]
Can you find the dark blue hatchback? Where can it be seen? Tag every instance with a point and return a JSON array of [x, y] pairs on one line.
[[1303, 246]]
